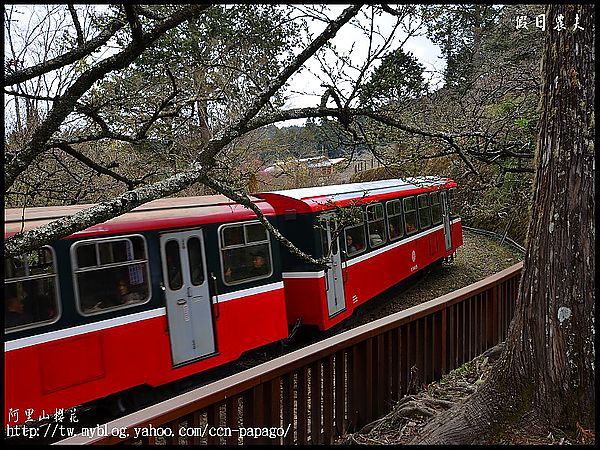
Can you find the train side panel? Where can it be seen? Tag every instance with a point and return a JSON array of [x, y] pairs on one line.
[[383, 268], [89, 364]]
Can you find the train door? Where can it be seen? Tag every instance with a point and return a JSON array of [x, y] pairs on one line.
[[446, 216], [334, 279], [187, 297]]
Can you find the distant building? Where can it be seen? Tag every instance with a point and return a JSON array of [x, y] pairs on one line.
[[320, 164]]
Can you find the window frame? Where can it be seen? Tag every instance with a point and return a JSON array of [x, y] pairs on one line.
[[400, 214], [416, 211], [32, 325], [419, 208], [384, 238], [75, 270], [230, 247]]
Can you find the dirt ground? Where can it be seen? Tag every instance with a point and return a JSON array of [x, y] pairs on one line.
[[410, 415]]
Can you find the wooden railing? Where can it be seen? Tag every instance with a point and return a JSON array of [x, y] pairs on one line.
[[322, 391]]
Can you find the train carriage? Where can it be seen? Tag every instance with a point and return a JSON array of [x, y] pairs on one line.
[[406, 226], [182, 285], [157, 294]]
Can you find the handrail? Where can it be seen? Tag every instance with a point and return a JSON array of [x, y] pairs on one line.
[[205, 396]]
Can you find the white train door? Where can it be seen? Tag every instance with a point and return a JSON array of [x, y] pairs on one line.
[[334, 279], [446, 216], [187, 297]]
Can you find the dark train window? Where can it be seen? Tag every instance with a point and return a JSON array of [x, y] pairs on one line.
[[376, 225], [394, 215], [86, 255], [424, 211], [327, 246], [410, 215], [110, 274], [245, 253], [354, 237], [174, 277], [194, 248], [30, 290], [451, 200], [256, 233], [232, 236], [436, 208]]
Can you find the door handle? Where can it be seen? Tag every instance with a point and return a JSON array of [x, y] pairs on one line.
[[181, 302], [216, 289]]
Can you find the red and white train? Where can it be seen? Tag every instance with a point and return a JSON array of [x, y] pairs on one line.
[[182, 285]]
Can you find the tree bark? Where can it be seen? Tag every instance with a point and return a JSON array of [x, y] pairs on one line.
[[545, 376]]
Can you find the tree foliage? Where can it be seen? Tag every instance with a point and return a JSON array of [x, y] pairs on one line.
[[398, 78]]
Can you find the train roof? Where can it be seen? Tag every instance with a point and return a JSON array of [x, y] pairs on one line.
[[163, 213], [320, 198]]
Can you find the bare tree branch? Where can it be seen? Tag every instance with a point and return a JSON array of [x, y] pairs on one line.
[[97, 167], [28, 73], [65, 105], [80, 40], [134, 21], [239, 127], [164, 104], [29, 96]]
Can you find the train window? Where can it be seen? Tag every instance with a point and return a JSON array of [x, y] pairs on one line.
[[110, 274], [327, 246], [451, 211], [30, 290], [436, 208], [394, 215], [424, 211], [194, 248], [354, 237], [376, 225], [86, 255], [245, 253], [256, 233], [410, 215], [174, 277], [232, 236]]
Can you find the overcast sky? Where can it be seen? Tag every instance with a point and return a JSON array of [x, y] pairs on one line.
[[305, 82], [421, 47]]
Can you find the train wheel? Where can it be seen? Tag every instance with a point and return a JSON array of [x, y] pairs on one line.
[[131, 400]]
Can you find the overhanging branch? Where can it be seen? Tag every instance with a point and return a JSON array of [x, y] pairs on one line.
[[243, 199]]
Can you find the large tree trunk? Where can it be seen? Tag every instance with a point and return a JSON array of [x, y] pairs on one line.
[[545, 376]]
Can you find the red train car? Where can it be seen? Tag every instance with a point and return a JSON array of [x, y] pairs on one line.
[[182, 285], [157, 294], [402, 226]]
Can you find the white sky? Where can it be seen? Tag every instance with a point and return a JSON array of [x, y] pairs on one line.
[[421, 47]]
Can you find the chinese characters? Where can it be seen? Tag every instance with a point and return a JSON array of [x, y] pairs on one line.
[[559, 24]]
